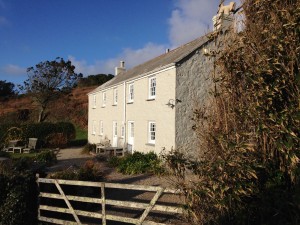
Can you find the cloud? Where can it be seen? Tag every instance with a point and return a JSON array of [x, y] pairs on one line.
[[132, 57], [11, 69], [191, 19]]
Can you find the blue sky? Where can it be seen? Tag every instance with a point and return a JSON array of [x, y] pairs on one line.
[[95, 34]]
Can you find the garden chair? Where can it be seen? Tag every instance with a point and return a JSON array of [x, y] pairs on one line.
[[10, 147], [31, 145]]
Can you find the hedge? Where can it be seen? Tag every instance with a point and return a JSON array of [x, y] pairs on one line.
[[42, 131]]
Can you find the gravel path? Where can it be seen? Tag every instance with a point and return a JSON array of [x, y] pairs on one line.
[[70, 157]]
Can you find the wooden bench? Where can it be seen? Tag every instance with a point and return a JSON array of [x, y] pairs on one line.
[[112, 151]]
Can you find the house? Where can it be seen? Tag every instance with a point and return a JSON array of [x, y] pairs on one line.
[[149, 107]]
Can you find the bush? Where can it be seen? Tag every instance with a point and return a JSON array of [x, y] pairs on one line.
[[89, 148], [56, 140], [88, 172], [48, 157], [138, 163], [66, 128], [18, 194]]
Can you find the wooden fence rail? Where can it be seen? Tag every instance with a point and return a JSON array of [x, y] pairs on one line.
[[103, 215]]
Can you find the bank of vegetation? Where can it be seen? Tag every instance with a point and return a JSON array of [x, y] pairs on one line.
[[249, 169]]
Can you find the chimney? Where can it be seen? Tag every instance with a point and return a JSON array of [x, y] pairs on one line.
[[167, 50], [224, 19], [120, 69]]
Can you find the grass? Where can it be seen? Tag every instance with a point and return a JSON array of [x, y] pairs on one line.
[[22, 155], [81, 137], [80, 133]]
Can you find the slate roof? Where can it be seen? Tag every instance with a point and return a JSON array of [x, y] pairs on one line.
[[156, 64]]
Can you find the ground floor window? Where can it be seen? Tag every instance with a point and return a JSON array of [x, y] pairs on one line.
[[151, 132]]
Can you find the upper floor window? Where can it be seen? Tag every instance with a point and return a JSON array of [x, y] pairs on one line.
[[151, 132], [101, 127], [152, 87], [94, 127], [131, 92], [94, 101], [123, 131], [103, 99], [115, 96]]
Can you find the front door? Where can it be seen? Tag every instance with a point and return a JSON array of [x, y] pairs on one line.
[[115, 134], [130, 136]]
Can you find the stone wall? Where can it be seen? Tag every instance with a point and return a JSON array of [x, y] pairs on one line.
[[193, 83]]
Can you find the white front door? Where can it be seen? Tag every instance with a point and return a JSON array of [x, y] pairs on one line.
[[115, 134], [130, 136]]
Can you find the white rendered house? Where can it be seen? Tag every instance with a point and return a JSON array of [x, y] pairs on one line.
[[149, 107]]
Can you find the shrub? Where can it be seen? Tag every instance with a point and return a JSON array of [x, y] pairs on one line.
[[18, 199], [18, 194], [138, 163], [88, 172], [57, 140], [47, 156], [89, 148], [66, 128]]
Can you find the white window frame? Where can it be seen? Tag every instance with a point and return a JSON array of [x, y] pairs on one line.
[[131, 92], [101, 127], [151, 132], [115, 96], [103, 99], [152, 87], [123, 130], [94, 101], [130, 129], [94, 127]]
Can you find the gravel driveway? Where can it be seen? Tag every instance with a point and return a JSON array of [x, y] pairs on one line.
[[70, 157]]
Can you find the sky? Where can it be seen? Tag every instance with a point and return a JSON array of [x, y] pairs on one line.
[[96, 34]]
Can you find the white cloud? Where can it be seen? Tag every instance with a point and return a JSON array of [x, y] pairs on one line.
[[191, 19], [11, 69], [132, 57]]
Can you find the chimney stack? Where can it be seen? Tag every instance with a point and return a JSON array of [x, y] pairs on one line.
[[224, 18], [120, 69]]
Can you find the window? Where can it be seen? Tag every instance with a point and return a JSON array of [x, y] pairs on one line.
[[94, 128], [101, 127], [130, 129], [115, 127], [152, 88], [152, 131], [103, 99], [94, 101], [122, 131], [131, 92], [115, 96]]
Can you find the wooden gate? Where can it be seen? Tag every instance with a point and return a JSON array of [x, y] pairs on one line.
[[102, 215]]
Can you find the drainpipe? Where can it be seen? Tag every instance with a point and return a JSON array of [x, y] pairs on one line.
[[124, 116]]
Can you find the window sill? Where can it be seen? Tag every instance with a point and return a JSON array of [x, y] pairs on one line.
[[150, 99], [114, 104], [150, 144], [100, 134], [94, 107], [103, 106], [129, 102]]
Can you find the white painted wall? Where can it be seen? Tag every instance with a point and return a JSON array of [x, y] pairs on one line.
[[141, 111]]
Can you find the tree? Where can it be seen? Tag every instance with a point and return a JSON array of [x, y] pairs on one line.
[[6, 89], [49, 80]]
